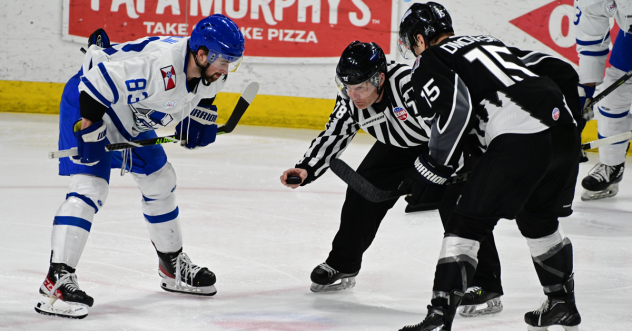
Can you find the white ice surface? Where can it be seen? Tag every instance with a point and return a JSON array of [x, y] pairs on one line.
[[262, 240]]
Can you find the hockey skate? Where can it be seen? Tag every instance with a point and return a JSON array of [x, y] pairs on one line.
[[477, 302], [556, 311], [602, 181], [61, 284], [324, 277], [440, 314], [179, 274]]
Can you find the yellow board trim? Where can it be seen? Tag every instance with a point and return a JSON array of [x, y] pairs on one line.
[[265, 110]]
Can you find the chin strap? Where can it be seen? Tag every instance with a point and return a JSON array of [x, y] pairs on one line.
[[204, 68]]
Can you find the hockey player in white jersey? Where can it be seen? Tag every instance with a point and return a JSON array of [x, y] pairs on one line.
[[613, 112], [123, 93]]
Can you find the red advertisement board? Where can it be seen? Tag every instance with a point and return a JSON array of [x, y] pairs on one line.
[[272, 28], [552, 24]]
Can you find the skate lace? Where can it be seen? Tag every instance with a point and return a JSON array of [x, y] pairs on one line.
[[331, 271], [543, 308], [601, 172], [186, 268], [473, 292], [67, 281]]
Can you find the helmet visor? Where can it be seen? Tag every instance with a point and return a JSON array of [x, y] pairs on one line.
[[403, 45], [224, 62], [359, 91]]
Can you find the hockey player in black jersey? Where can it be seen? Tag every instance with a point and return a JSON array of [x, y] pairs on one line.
[[526, 126], [375, 96]]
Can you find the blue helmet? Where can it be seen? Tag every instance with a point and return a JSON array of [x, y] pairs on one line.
[[221, 36]]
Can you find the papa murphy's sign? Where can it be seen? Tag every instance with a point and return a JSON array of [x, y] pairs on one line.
[[272, 28]]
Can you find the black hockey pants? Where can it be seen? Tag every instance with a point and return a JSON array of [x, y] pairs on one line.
[[385, 167], [527, 177]]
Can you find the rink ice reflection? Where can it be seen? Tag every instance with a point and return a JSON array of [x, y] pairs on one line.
[[262, 240]]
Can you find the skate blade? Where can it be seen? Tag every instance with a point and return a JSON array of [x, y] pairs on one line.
[[169, 285], [344, 284], [546, 328], [74, 310], [611, 191], [492, 306]]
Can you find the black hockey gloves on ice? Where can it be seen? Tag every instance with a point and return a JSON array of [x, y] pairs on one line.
[[199, 128], [426, 183]]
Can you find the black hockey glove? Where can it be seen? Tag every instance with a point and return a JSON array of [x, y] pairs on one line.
[[99, 38], [426, 183]]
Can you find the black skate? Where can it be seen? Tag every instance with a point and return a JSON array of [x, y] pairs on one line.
[[602, 181], [440, 314], [556, 311], [179, 274], [477, 302], [324, 277], [61, 283]]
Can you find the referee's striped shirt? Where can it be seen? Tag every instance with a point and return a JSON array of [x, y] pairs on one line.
[[397, 124]]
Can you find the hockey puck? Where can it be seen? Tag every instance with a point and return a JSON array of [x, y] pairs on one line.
[[292, 180]]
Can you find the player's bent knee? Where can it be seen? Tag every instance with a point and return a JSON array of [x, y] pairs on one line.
[[91, 190], [158, 185]]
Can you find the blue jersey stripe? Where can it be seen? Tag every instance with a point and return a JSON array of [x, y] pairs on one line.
[[593, 42], [73, 221], [94, 91], [162, 218], [591, 53], [118, 124], [613, 115], [83, 198], [108, 79]]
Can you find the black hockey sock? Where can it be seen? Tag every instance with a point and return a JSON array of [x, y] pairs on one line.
[[555, 267]]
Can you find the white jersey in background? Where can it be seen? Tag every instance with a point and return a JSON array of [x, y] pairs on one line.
[[143, 83], [593, 34]]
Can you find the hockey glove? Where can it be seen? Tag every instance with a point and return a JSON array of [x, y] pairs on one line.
[[426, 184], [90, 143], [585, 94], [199, 128]]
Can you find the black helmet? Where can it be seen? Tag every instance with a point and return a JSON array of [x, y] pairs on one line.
[[360, 62], [428, 19]]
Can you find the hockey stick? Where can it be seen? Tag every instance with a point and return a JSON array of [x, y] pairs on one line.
[[588, 111], [245, 100], [368, 190], [608, 141]]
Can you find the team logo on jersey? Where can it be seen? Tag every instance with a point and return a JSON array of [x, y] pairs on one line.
[[171, 103], [611, 7], [555, 114], [416, 64], [168, 77], [401, 113]]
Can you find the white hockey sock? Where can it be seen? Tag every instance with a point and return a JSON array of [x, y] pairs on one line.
[[160, 208]]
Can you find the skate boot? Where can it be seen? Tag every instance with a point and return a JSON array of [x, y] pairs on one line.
[[179, 274], [602, 181], [477, 301], [556, 311], [61, 283], [440, 314], [324, 277]]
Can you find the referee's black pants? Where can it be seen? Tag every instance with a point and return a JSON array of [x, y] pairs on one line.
[[385, 167]]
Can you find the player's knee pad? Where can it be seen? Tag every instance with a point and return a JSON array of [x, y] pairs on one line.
[[553, 259], [159, 184], [73, 219]]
